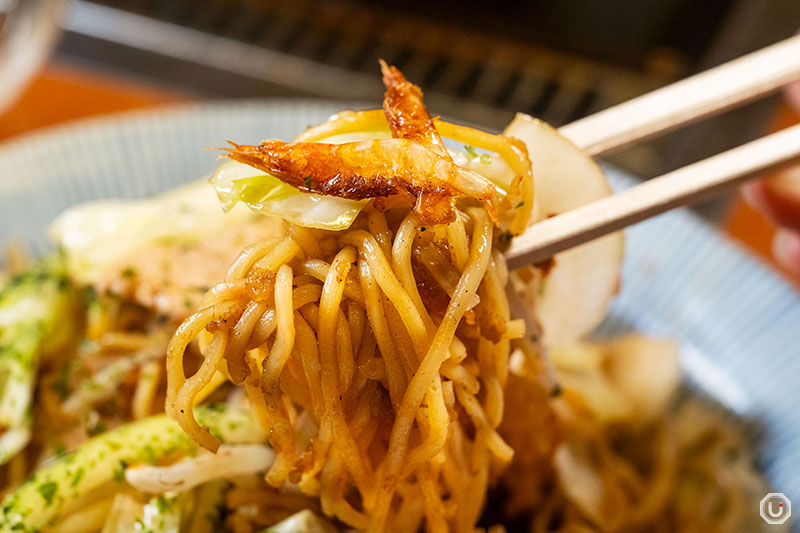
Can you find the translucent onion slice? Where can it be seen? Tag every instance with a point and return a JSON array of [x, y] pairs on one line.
[[229, 461], [582, 485], [646, 371], [124, 513], [305, 520]]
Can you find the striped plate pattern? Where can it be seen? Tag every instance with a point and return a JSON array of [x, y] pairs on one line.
[[738, 323]]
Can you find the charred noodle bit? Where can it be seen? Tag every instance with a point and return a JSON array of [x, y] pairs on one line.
[[373, 169], [57, 487]]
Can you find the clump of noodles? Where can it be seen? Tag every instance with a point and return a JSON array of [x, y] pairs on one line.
[[617, 448], [375, 356], [378, 399]]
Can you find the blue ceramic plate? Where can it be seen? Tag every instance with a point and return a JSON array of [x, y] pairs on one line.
[[738, 322]]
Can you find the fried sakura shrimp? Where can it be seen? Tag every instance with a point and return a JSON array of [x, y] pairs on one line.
[[406, 112], [373, 169]]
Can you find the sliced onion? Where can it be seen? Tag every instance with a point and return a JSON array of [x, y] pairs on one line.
[[230, 461], [581, 484], [574, 296], [646, 371]]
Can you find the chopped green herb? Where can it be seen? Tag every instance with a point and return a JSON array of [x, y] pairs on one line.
[[78, 476], [139, 526], [471, 151], [59, 448], [215, 432], [90, 295], [216, 407], [540, 290], [96, 429], [162, 504], [119, 472], [505, 237], [48, 490], [307, 181], [486, 159], [520, 204], [217, 518], [149, 455], [128, 273]]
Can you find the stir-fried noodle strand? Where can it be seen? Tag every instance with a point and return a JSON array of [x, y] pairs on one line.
[[343, 362]]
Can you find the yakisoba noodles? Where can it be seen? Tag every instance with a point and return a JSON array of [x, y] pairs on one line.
[[369, 365], [351, 358], [381, 393]]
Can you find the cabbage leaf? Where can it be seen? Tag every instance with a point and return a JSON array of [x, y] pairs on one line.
[[262, 193]]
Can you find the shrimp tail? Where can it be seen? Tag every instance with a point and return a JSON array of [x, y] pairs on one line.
[[406, 112]]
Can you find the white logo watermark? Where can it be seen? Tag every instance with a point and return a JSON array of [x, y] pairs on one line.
[[776, 508]]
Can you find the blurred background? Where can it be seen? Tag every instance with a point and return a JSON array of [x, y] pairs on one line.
[[478, 62]]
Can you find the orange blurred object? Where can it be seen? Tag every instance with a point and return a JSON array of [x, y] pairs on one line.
[[61, 93], [753, 228]]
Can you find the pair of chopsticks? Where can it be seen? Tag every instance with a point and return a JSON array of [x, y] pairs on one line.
[[681, 103]]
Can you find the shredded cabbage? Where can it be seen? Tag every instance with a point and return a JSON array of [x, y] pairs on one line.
[[306, 521], [96, 235], [37, 315], [101, 461], [235, 182]]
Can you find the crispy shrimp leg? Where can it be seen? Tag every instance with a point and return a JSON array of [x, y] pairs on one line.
[[406, 112], [372, 169]]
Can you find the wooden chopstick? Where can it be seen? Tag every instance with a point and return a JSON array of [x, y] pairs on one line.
[[688, 184], [688, 100]]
